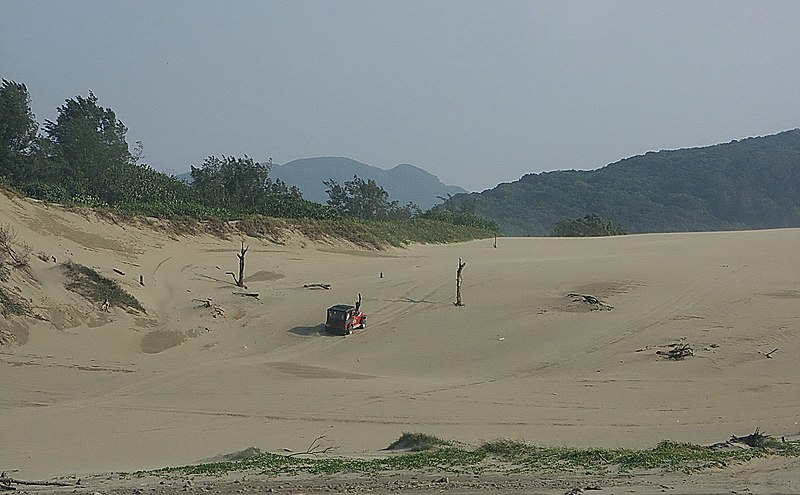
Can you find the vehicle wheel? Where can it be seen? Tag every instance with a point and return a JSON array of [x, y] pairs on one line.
[[364, 322], [347, 330]]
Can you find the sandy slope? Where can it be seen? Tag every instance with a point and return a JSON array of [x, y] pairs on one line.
[[88, 391]]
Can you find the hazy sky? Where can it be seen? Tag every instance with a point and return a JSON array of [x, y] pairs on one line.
[[475, 92]]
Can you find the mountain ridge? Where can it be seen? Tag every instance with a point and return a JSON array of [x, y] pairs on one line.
[[404, 182], [750, 183]]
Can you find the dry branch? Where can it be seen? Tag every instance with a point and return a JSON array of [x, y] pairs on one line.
[[317, 286], [254, 295], [677, 352], [589, 299], [6, 482], [315, 449], [240, 281], [461, 266]]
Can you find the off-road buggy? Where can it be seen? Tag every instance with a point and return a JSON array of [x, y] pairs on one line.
[[342, 319]]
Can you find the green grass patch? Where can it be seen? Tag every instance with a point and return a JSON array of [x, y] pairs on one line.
[[97, 288], [500, 456]]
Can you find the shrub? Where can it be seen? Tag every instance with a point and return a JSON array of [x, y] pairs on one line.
[[417, 442], [588, 226], [97, 288]]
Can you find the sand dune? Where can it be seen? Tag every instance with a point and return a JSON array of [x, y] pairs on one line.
[[85, 390]]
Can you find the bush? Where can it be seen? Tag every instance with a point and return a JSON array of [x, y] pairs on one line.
[[588, 226], [417, 442], [97, 288], [45, 191]]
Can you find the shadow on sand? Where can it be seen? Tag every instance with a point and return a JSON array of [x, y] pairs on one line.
[[315, 331]]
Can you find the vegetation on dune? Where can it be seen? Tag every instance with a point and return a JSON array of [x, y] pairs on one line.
[[418, 442], [588, 226], [11, 305], [505, 456], [13, 256], [97, 288], [83, 159]]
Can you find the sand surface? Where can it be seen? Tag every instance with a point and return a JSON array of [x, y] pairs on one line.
[[83, 390]]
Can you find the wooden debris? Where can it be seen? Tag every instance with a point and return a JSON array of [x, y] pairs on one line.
[[755, 439], [254, 295], [317, 286], [206, 303], [591, 300], [677, 351], [6, 482], [770, 353], [461, 265], [119, 271], [216, 309], [315, 449]]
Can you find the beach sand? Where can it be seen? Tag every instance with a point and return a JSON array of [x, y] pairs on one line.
[[86, 391]]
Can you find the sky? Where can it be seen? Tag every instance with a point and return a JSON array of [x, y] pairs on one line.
[[475, 92]]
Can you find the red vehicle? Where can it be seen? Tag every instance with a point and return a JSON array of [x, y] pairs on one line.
[[343, 318]]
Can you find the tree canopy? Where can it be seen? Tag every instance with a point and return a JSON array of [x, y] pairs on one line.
[[365, 199], [18, 129], [589, 226], [88, 143]]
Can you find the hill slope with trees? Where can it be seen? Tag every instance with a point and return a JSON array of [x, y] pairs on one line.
[[749, 184]]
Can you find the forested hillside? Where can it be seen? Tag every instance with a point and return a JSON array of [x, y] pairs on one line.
[[749, 184]]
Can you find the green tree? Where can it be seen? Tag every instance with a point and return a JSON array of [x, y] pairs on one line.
[[238, 184], [589, 226], [18, 130], [365, 199], [87, 143]]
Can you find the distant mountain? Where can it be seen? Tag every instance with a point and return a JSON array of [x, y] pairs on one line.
[[749, 184], [404, 182]]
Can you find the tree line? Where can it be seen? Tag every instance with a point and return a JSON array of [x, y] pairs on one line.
[[83, 157]]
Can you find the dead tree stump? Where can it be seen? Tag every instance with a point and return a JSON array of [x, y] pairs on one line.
[[461, 266], [240, 281]]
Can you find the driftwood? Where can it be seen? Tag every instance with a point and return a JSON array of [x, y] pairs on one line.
[[205, 303], [589, 299], [254, 295], [755, 439], [6, 482], [768, 355], [461, 266], [240, 281], [216, 309], [677, 352], [119, 271], [315, 449], [317, 286]]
